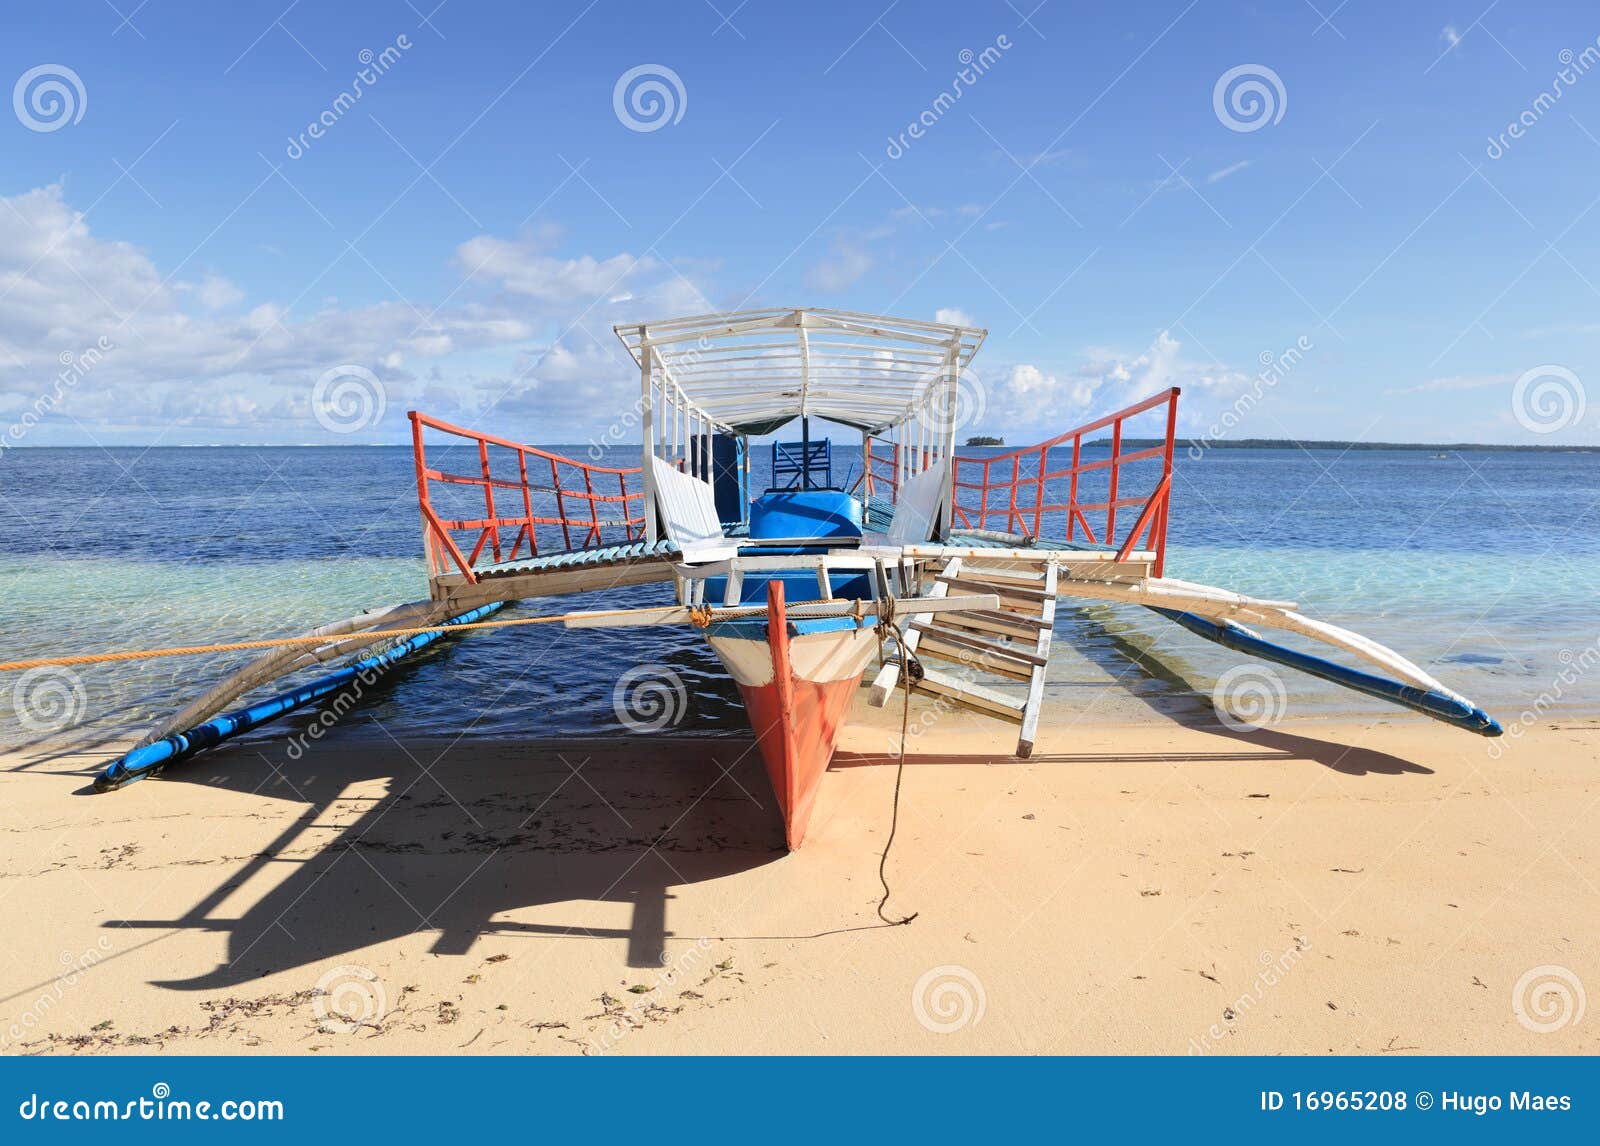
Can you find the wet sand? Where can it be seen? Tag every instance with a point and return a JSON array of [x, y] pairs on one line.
[[1314, 888]]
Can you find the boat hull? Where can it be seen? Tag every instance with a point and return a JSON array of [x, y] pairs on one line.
[[798, 679]]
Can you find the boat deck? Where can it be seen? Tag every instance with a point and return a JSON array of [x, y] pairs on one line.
[[568, 571], [642, 563]]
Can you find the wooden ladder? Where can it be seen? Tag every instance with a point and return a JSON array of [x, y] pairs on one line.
[[1011, 643]]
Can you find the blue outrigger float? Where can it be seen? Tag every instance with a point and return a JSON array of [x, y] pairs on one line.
[[929, 554]]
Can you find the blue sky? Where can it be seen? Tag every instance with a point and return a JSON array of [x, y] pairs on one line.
[[469, 229]]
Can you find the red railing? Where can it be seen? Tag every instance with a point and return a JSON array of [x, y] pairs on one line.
[[1019, 496], [539, 505], [878, 470]]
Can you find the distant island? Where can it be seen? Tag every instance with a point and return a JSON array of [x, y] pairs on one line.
[[1304, 444], [982, 440]]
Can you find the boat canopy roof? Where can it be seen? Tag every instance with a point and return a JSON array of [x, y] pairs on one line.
[[751, 371]]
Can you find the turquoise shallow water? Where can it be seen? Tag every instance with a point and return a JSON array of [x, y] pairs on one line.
[[1482, 567]]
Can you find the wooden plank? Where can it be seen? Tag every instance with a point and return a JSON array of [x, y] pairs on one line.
[[990, 659], [516, 586], [1028, 622], [1012, 590], [970, 695], [1021, 578], [989, 624], [1035, 701], [979, 644]]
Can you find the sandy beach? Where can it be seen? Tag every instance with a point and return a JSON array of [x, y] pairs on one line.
[[1151, 889]]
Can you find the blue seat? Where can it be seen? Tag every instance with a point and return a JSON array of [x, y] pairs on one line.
[[823, 514]]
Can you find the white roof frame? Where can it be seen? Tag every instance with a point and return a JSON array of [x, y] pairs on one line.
[[868, 371]]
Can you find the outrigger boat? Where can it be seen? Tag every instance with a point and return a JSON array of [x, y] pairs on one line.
[[927, 555]]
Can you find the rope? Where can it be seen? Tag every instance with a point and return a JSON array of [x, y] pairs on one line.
[[888, 631], [695, 618]]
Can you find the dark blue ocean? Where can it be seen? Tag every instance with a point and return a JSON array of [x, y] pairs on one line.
[[1482, 566]]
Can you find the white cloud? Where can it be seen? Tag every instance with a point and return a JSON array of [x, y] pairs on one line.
[[1450, 36], [1456, 382], [1028, 403], [184, 356], [523, 266], [842, 268], [954, 317], [1231, 169], [213, 292]]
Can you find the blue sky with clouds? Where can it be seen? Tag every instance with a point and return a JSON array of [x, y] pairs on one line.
[[1118, 214]]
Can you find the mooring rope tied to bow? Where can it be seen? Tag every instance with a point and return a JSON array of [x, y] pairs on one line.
[[910, 671]]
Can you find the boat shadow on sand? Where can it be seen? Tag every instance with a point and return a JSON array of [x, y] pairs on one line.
[[461, 840]]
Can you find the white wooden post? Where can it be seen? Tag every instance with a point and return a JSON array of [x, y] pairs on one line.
[[947, 517], [648, 449]]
